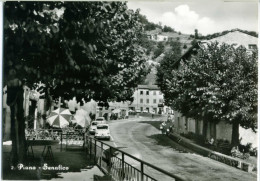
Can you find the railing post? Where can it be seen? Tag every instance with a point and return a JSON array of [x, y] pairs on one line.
[[110, 160], [123, 166], [95, 151], [142, 171], [66, 140], [61, 141], [90, 146], [83, 141], [100, 161]]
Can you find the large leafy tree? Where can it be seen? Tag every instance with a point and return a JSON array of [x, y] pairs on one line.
[[83, 49], [167, 64], [220, 83]]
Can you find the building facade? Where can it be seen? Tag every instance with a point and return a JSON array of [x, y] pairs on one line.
[[148, 98]]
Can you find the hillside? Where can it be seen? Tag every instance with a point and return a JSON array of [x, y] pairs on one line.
[[159, 48]]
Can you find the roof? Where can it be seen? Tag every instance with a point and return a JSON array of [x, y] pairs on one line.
[[236, 37], [150, 87]]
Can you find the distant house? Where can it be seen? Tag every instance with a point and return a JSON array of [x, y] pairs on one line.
[[149, 98], [222, 130], [157, 37]]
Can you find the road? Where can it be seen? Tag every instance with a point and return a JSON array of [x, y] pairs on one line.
[[138, 137]]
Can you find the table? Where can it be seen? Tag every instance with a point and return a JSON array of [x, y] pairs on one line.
[[47, 151]]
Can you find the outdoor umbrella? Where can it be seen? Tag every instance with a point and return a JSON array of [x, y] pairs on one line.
[[82, 113], [80, 120], [59, 118]]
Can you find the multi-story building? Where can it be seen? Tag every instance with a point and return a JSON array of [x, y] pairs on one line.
[[148, 98]]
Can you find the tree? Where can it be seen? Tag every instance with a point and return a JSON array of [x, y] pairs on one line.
[[196, 34], [167, 29], [220, 83], [83, 49], [167, 64], [159, 50]]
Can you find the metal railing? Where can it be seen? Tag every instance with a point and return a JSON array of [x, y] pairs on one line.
[[65, 137], [113, 161]]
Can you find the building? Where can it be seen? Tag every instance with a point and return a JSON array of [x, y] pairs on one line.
[[148, 98], [221, 130]]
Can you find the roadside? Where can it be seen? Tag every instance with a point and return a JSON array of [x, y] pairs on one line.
[[248, 165], [139, 138]]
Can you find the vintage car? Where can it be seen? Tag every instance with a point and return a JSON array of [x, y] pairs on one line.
[[102, 131]]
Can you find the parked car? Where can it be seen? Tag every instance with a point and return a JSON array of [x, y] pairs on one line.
[[93, 127], [101, 120], [137, 111], [145, 111], [102, 132]]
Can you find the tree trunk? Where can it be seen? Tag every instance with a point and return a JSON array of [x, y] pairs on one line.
[[32, 113], [205, 128], [15, 101], [235, 134]]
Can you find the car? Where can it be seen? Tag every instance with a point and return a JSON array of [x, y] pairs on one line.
[[101, 120], [93, 127], [102, 131], [145, 111], [137, 111]]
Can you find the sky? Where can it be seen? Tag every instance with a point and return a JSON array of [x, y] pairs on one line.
[[208, 16]]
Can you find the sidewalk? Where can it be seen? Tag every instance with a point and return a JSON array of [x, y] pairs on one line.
[[70, 164], [235, 162]]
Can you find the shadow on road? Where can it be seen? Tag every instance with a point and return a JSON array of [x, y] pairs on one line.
[[164, 140]]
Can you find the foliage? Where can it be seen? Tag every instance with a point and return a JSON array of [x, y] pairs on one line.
[[159, 50], [83, 49], [196, 34], [146, 43], [148, 26], [220, 83], [165, 68], [168, 29]]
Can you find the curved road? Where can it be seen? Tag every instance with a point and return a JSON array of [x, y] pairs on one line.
[[138, 138]]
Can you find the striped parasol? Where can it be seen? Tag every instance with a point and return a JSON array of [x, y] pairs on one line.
[[59, 118]]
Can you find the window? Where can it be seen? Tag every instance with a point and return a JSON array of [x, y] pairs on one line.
[[141, 100], [160, 93], [160, 100], [147, 101], [147, 92], [154, 92], [154, 101], [141, 109], [252, 46], [141, 92], [102, 127]]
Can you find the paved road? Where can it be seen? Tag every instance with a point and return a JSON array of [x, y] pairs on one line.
[[139, 138]]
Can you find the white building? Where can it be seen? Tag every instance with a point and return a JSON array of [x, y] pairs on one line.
[[149, 98], [158, 37]]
